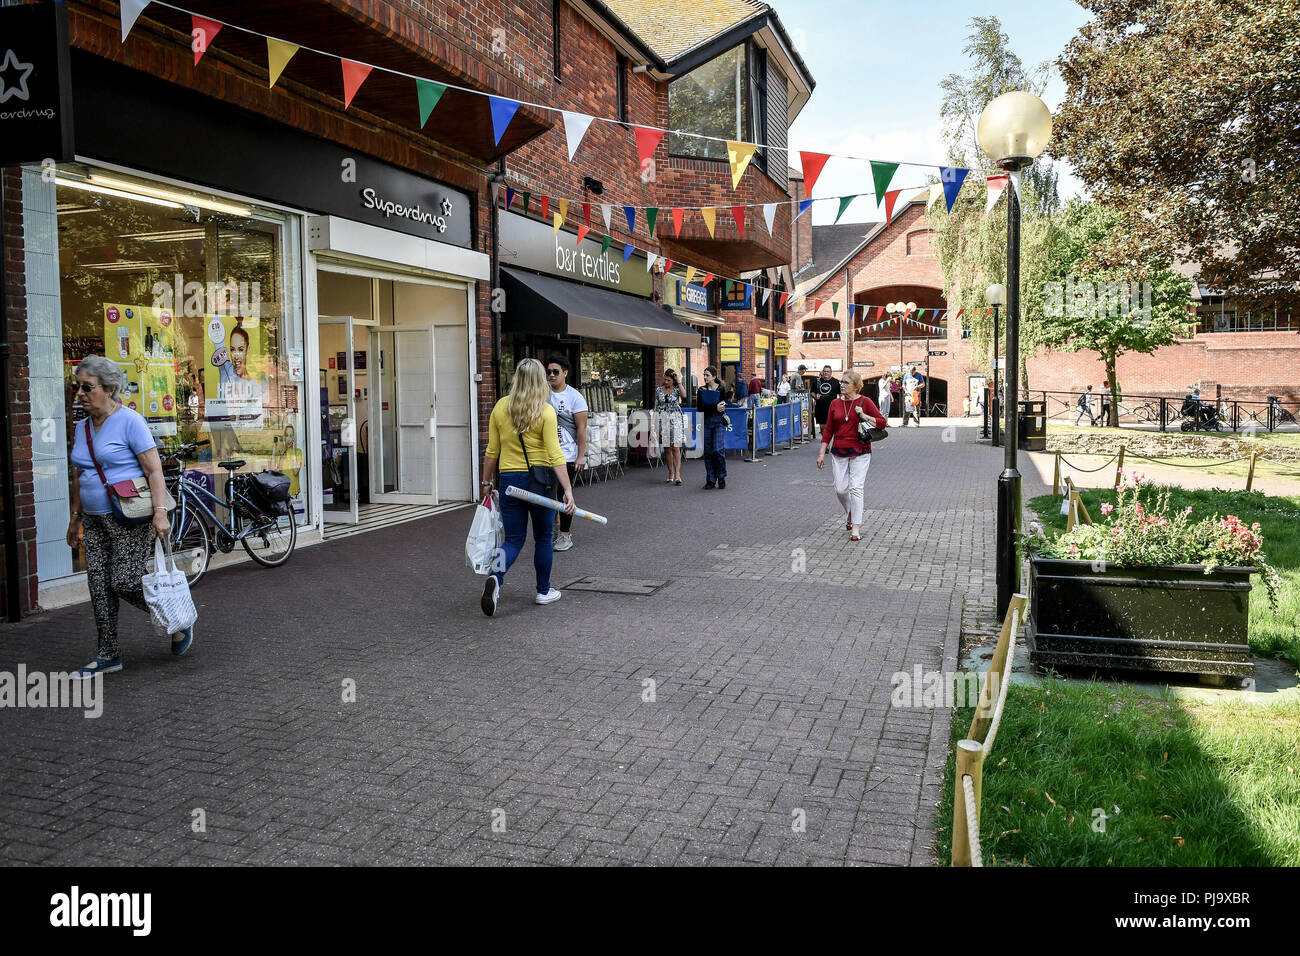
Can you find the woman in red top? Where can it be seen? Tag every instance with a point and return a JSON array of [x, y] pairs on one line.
[[851, 455]]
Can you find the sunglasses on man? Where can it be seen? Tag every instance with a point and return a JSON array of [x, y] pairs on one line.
[[554, 371]]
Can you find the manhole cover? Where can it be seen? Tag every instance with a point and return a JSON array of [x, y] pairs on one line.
[[616, 585]]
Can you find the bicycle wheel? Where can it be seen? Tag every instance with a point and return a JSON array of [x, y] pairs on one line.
[[192, 547], [271, 541]]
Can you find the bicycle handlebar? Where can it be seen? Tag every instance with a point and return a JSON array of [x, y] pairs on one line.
[[181, 450]]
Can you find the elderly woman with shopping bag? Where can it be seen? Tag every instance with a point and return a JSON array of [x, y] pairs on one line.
[[119, 505], [851, 454]]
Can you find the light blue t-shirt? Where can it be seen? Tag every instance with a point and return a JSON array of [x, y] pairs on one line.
[[123, 435]]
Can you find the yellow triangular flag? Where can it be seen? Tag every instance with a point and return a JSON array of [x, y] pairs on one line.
[[690, 274], [278, 55], [558, 219], [936, 190], [564, 210], [739, 155], [710, 217]]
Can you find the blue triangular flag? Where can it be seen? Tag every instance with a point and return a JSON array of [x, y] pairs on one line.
[[952, 177], [503, 111], [628, 249], [803, 207], [630, 212], [510, 196]]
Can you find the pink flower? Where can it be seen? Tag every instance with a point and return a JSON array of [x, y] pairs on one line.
[[1107, 507], [1189, 509]]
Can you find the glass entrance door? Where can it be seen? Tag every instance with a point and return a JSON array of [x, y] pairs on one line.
[[340, 498], [407, 436]]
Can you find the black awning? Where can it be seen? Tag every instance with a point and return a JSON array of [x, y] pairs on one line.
[[549, 306]]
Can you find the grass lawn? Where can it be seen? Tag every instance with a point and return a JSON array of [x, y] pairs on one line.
[[1270, 635], [1194, 784]]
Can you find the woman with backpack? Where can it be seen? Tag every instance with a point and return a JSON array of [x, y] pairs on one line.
[[524, 442], [851, 456]]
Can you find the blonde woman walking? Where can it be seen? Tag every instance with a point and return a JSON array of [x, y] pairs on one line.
[[851, 456], [523, 438]]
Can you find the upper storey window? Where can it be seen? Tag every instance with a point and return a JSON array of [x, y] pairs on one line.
[[710, 100]]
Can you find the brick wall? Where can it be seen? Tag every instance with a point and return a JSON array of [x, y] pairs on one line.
[[18, 397]]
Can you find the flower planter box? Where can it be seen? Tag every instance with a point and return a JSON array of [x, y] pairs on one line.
[[1166, 618]]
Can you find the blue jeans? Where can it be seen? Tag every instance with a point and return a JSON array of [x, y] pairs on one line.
[[715, 459], [514, 518]]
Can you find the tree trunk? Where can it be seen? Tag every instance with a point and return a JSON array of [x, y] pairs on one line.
[[1112, 417]]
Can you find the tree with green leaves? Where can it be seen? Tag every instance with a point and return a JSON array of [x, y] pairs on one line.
[[1106, 311], [1182, 116]]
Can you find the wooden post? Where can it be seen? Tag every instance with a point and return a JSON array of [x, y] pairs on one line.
[[1250, 475], [969, 761], [1119, 467], [1073, 518], [1056, 477], [1084, 517]]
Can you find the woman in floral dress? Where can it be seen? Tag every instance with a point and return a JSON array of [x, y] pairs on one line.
[[672, 424]]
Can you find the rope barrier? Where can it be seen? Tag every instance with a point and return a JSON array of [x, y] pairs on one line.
[[1198, 464], [1091, 470], [972, 824]]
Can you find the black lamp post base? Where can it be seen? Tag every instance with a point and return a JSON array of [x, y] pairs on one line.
[[1008, 534]]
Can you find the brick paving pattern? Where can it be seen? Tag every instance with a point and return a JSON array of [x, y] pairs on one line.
[[770, 648]]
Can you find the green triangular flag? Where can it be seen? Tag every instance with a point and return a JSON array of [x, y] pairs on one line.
[[920, 312], [844, 204], [429, 93], [527, 197], [881, 175], [604, 244], [651, 213], [835, 308]]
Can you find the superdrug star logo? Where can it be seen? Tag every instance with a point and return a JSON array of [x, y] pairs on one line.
[[11, 88]]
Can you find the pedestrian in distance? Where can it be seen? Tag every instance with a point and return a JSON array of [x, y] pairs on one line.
[[571, 414], [850, 455], [112, 445], [1085, 407], [671, 423], [711, 401], [523, 435], [883, 395], [783, 388], [912, 383], [1105, 404], [755, 392], [825, 390]]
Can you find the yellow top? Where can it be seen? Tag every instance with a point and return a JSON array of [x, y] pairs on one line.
[[543, 441]]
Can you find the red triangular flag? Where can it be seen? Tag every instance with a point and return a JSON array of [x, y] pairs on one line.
[[959, 312], [738, 213], [677, 221], [354, 74], [582, 234], [812, 168], [708, 277], [780, 303], [647, 140], [202, 32], [891, 197], [880, 311], [586, 213], [546, 208], [668, 266]]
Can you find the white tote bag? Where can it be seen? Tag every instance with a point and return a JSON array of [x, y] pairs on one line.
[[167, 593], [486, 534]]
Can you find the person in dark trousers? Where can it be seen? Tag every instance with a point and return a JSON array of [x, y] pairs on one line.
[[710, 400], [755, 391], [825, 390]]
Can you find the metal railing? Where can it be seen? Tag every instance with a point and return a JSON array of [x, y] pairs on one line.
[[1165, 413]]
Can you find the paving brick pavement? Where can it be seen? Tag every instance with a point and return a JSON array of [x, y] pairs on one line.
[[770, 646]]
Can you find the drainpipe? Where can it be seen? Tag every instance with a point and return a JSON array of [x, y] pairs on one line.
[[499, 177], [13, 610]]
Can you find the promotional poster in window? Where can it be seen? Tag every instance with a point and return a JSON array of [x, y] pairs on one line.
[[142, 341], [234, 380]]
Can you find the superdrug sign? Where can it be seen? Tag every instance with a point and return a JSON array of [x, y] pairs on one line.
[[35, 85]]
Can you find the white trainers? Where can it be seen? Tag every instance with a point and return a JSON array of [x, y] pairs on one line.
[[550, 597], [563, 542]]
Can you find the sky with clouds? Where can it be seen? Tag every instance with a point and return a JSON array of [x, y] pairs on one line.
[[878, 67]]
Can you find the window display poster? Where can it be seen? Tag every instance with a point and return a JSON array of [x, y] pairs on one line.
[[234, 381], [141, 340]]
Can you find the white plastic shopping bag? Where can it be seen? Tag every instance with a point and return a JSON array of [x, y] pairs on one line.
[[167, 593], [486, 535]]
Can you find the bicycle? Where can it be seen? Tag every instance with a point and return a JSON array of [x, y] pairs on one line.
[[268, 539]]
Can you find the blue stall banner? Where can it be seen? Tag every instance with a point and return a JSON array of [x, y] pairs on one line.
[[738, 437], [782, 428], [694, 428], [796, 413], [763, 427]]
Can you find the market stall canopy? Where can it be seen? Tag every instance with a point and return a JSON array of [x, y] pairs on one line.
[[546, 306]]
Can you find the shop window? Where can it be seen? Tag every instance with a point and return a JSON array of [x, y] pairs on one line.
[[197, 299], [620, 369]]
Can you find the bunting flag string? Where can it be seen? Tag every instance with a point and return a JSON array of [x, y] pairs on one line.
[[996, 186], [503, 109], [203, 31]]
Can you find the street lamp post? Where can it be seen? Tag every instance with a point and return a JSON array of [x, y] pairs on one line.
[[1013, 130], [996, 296]]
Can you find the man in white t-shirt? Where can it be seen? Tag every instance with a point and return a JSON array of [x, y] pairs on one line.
[[571, 411]]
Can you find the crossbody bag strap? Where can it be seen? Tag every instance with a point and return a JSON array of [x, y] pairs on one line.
[[524, 449], [90, 446]]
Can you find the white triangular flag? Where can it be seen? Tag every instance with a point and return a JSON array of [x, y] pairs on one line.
[[766, 292], [1015, 183], [605, 210], [650, 258], [575, 127], [131, 10], [769, 216]]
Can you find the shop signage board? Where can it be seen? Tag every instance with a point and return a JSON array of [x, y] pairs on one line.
[[728, 346], [762, 342], [35, 85], [782, 347], [737, 297], [532, 244], [213, 143], [692, 296]]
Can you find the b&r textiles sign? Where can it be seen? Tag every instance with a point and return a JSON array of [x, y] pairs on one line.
[[535, 245], [35, 85]]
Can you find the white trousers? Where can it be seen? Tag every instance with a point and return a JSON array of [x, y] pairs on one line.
[[850, 480]]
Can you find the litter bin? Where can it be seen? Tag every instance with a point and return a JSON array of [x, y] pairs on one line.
[[1033, 425]]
